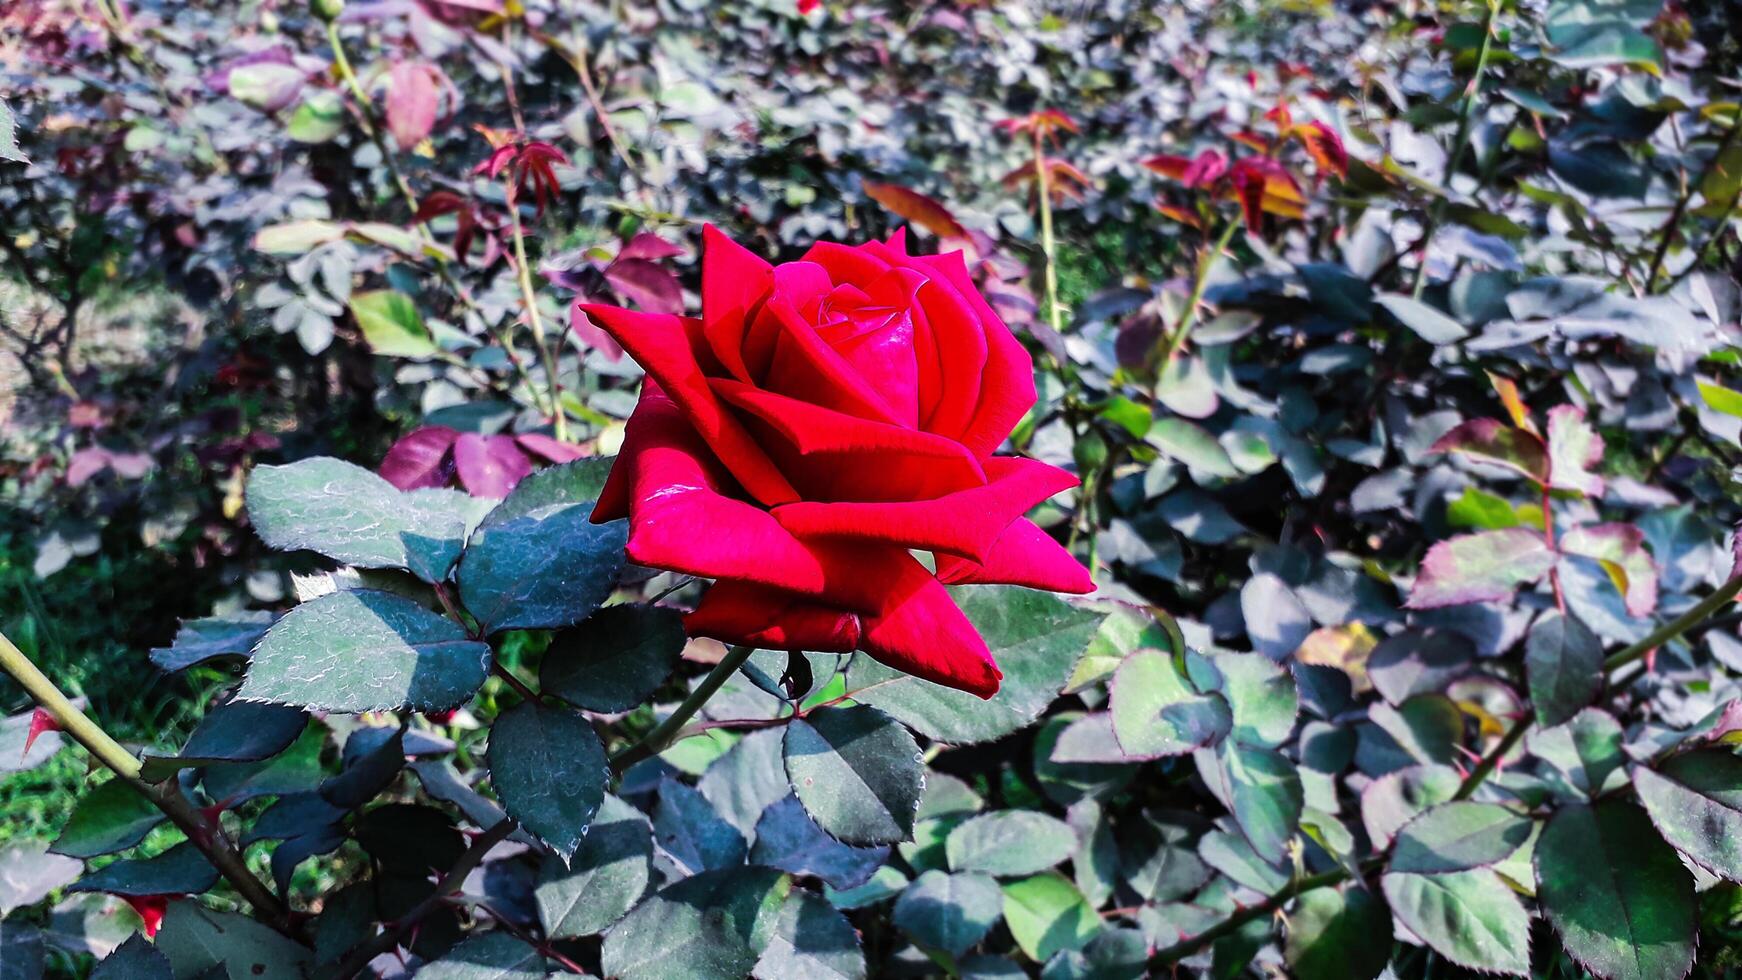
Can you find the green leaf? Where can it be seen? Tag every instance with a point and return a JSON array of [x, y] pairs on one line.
[[812, 941], [713, 924], [196, 939], [1481, 567], [181, 870], [857, 772], [1333, 935], [549, 770], [1260, 693], [1416, 661], [290, 239], [9, 136], [1036, 638], [1586, 752], [1717, 397], [1260, 786], [1484, 511], [265, 85], [1156, 712], [391, 324], [239, 731], [354, 516], [1457, 836], [1621, 901], [1395, 798], [1428, 323], [1194, 446], [492, 955], [1426, 728], [1233, 856], [1695, 801], [576, 482], [1496, 443], [693, 833], [1047, 914], [1620, 549], [950, 912], [787, 838], [200, 640], [1469, 917], [363, 650], [110, 818], [614, 659], [319, 118], [607, 875], [1010, 843], [1596, 33], [135, 959], [748, 779], [1066, 782], [1564, 661], [885, 883], [546, 569], [1573, 448]]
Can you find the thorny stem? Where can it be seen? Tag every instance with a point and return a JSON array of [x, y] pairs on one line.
[[208, 838], [389, 938], [666, 732], [1043, 179], [523, 273], [1460, 143], [1201, 284], [1483, 769]]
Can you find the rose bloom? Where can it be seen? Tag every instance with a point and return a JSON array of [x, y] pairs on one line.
[[821, 422]]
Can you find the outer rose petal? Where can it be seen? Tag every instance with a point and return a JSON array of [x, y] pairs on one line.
[[734, 612], [664, 347], [966, 523], [832, 456], [1026, 556], [921, 631], [1007, 387], [735, 281]]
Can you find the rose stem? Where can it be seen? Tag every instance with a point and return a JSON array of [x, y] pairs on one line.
[[666, 731]]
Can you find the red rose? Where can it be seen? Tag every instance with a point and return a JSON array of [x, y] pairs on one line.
[[820, 421]]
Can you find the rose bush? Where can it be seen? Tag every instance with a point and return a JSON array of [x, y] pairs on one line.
[[819, 421]]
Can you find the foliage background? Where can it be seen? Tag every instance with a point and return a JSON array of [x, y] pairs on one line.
[[200, 198]]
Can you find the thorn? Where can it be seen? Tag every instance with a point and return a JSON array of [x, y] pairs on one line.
[[40, 721], [1651, 661], [150, 909]]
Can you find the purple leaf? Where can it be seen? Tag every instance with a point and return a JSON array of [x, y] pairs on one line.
[[420, 459], [548, 449], [651, 287], [1480, 568], [647, 245], [411, 102], [1620, 548], [489, 466], [1573, 448], [1493, 441], [85, 464]]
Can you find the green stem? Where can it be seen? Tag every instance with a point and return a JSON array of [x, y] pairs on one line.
[[559, 418], [1206, 265], [1667, 234], [666, 732], [1460, 143], [209, 839], [1491, 761], [1046, 240], [1677, 626]]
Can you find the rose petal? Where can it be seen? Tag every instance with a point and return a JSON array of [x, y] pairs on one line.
[[733, 612], [663, 346], [921, 631], [734, 284], [1007, 386], [966, 523], [800, 363], [1025, 555]]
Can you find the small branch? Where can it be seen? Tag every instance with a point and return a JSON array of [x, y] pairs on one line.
[[209, 839], [508, 678], [1201, 284], [666, 732], [523, 273], [1491, 761], [1043, 180], [1677, 626], [388, 939], [1460, 144], [1667, 235]]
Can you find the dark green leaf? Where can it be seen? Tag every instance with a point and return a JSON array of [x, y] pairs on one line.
[[615, 658], [240, 731], [363, 650], [748, 779], [1261, 788], [181, 870], [1036, 638], [136, 959], [549, 770], [1585, 750], [1469, 917], [196, 939], [110, 818], [1564, 661], [1260, 693], [200, 640], [1457, 836], [576, 482], [1428, 323], [1156, 712], [487, 956], [811, 941], [1009, 843], [857, 771], [1047, 914], [1695, 801], [1233, 856], [950, 912], [354, 516], [546, 569], [714, 924], [1333, 934], [693, 833], [1418, 662], [787, 838], [604, 879], [1615, 892]]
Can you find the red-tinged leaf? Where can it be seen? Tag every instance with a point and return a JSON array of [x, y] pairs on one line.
[[1573, 448], [489, 466], [1045, 122], [1065, 180], [548, 449], [437, 203], [647, 245], [1169, 165], [412, 100], [1181, 215], [1728, 723], [40, 721], [917, 208], [86, 415], [420, 458], [1493, 441], [652, 287], [1481, 567], [592, 334], [1621, 550], [1507, 389], [1256, 141], [85, 464], [1325, 147], [1205, 169], [150, 909], [1249, 189]]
